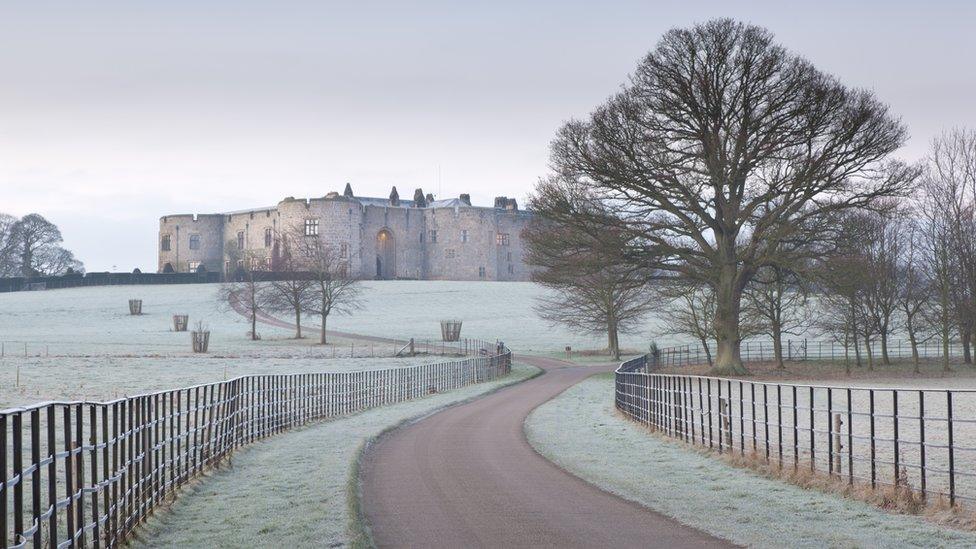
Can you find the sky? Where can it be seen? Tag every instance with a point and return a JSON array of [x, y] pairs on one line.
[[113, 114]]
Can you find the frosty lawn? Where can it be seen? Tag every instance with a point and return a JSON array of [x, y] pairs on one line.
[[300, 478], [581, 432], [96, 321]]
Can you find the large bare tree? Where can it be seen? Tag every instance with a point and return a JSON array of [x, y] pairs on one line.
[[726, 153]]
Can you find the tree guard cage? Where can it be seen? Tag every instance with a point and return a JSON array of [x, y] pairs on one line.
[[135, 306], [180, 322], [201, 338], [450, 330]]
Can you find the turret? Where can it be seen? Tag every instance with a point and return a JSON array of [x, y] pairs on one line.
[[465, 199], [348, 192], [394, 197], [418, 199]]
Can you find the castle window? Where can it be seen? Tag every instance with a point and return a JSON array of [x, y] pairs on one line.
[[464, 235], [433, 236], [164, 245], [227, 267], [343, 250], [194, 242], [311, 227], [192, 266], [421, 237], [267, 263], [481, 272], [240, 240], [509, 256], [268, 237], [240, 263], [449, 253], [511, 269], [501, 239]]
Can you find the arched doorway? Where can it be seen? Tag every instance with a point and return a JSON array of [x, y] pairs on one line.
[[385, 255]]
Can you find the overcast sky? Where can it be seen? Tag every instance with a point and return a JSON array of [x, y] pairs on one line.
[[115, 113]]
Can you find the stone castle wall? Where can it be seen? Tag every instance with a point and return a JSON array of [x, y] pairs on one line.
[[444, 240]]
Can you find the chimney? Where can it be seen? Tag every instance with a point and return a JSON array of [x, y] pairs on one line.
[[418, 199], [511, 204], [394, 197], [348, 192], [466, 199], [501, 202]]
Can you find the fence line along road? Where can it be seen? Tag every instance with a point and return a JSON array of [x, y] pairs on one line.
[[86, 473], [919, 439], [798, 350]]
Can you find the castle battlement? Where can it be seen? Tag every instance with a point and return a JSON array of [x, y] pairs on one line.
[[382, 238]]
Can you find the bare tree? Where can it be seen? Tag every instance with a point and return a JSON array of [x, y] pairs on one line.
[[726, 153], [8, 261], [914, 289], [292, 291], [881, 251], [248, 296], [35, 244], [332, 288], [691, 312], [781, 301], [594, 293], [946, 203], [841, 312]]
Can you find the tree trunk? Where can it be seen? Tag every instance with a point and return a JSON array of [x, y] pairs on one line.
[[914, 343], [324, 317], [728, 299], [254, 323], [613, 343], [884, 349], [870, 353], [778, 347], [298, 323], [708, 352], [965, 337]]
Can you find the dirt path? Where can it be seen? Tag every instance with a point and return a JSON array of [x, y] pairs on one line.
[[467, 477]]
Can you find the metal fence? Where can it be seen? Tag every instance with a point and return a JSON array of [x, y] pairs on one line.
[[803, 349], [86, 473], [919, 439]]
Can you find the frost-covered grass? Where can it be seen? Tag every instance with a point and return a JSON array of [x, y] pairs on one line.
[[103, 378], [580, 432], [96, 319], [291, 490]]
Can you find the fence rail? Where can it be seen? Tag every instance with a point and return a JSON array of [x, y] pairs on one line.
[[85, 473], [919, 439], [804, 350]]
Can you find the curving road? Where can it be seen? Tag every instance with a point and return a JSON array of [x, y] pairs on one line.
[[467, 477]]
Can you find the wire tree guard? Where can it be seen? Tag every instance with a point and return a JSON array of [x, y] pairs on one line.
[[135, 307], [180, 322], [201, 338], [450, 330]]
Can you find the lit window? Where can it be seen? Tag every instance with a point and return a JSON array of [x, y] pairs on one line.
[[501, 239], [311, 227], [268, 237], [433, 236], [194, 242], [464, 235], [192, 266], [240, 240], [165, 244]]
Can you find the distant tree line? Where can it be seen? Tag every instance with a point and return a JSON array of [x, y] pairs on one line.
[[751, 194], [31, 247]]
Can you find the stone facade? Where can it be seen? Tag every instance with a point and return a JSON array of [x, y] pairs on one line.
[[383, 238]]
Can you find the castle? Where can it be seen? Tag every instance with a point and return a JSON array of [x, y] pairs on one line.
[[382, 238]]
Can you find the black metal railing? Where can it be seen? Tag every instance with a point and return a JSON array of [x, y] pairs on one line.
[[918, 439], [86, 473]]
